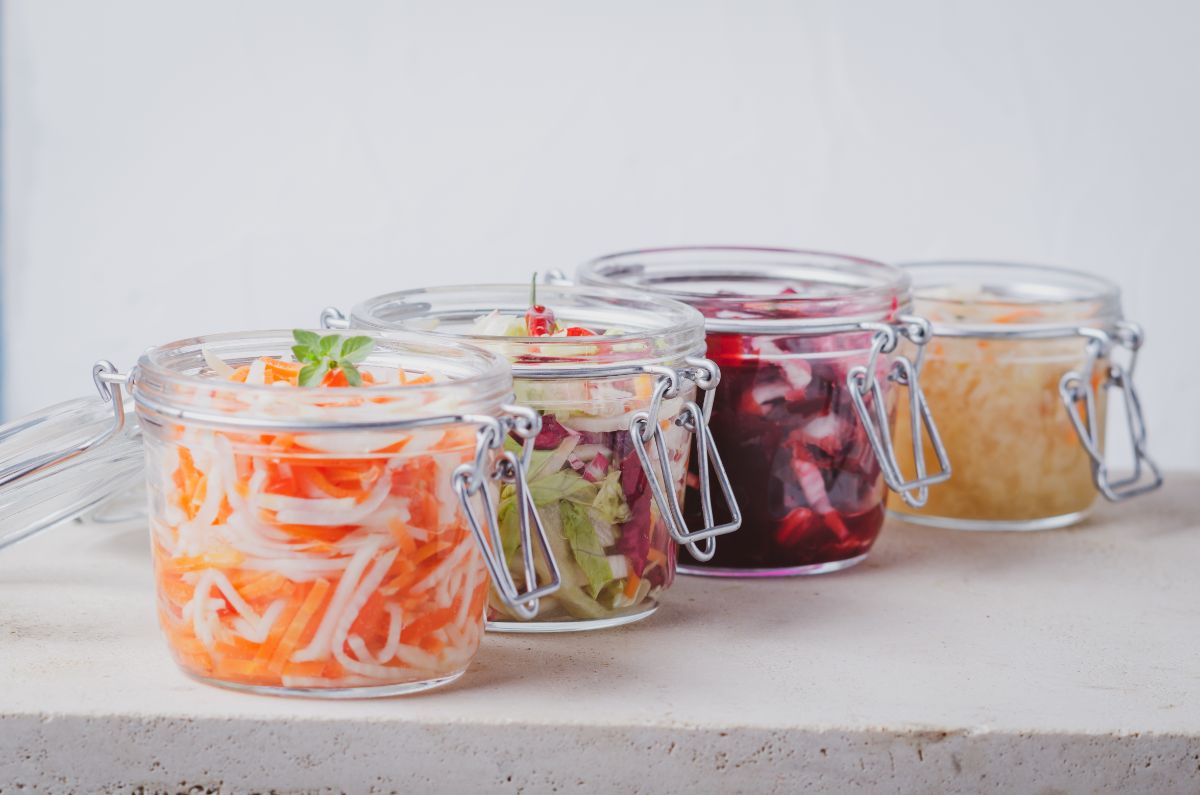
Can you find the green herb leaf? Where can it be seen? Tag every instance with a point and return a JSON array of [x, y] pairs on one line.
[[304, 354], [327, 345], [355, 349], [577, 529], [313, 374], [322, 354], [309, 339]]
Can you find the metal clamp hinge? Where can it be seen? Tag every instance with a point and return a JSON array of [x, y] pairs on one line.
[[1076, 389], [646, 426], [471, 483], [864, 380]]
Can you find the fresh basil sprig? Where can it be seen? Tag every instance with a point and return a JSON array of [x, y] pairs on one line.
[[331, 352]]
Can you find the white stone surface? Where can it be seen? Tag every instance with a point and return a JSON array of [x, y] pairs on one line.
[[1064, 661]]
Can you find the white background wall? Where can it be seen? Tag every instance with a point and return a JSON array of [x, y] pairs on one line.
[[185, 167]]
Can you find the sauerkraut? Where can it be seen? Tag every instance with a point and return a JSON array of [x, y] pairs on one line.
[[1015, 454]]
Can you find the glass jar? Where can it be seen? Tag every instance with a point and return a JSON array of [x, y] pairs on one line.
[[807, 345], [617, 400], [323, 540], [1019, 372]]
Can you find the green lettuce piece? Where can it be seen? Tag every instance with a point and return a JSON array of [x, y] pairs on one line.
[[565, 484], [610, 499], [585, 547], [509, 520]]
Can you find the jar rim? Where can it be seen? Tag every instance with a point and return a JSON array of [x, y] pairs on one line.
[[174, 377], [1071, 298], [667, 329], [737, 287]]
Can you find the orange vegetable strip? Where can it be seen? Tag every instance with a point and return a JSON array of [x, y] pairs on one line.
[[315, 477], [305, 669], [267, 650], [404, 539], [291, 638], [1017, 315], [270, 584], [430, 622]]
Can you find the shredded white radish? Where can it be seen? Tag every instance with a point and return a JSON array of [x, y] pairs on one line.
[[319, 646], [282, 542], [356, 442], [369, 583], [216, 364]]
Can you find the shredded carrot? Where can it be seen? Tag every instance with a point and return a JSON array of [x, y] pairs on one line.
[[259, 595], [315, 477], [1018, 315], [631, 585], [403, 537], [430, 622], [291, 638]]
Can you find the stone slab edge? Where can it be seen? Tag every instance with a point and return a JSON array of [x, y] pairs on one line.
[[122, 754]]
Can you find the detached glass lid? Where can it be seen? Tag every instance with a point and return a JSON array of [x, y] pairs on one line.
[[545, 325], [68, 479]]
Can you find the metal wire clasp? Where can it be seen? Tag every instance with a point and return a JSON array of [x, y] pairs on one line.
[[471, 483], [1078, 387], [646, 426], [864, 380], [332, 317], [108, 383]]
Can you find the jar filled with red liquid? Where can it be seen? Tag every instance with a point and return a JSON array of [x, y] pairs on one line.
[[814, 350]]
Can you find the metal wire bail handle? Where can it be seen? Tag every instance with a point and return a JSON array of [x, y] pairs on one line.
[[645, 426], [471, 481], [108, 382], [1076, 388], [332, 317], [863, 380]]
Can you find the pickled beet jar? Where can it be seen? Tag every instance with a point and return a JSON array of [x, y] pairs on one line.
[[808, 346], [615, 377]]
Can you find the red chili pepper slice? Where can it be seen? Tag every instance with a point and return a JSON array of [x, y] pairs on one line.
[[539, 321]]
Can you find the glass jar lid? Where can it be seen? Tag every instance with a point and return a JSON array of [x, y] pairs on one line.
[[618, 326], [973, 298], [775, 290], [414, 377]]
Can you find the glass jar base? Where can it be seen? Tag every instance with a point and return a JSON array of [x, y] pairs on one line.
[[990, 525], [333, 693], [789, 571], [573, 625]]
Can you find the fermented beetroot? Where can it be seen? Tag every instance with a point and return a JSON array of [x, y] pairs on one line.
[[809, 486]]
